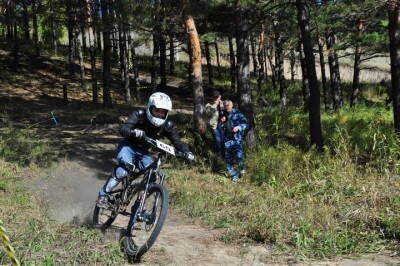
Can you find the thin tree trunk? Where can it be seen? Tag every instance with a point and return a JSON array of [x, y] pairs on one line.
[[15, 53], [80, 56], [323, 75], [92, 51], [292, 59], [135, 69], [70, 26], [208, 59], [254, 54], [163, 61], [261, 58], [26, 20], [155, 63], [53, 28], [314, 106], [355, 90], [35, 5], [305, 80], [394, 34], [279, 65], [124, 64], [106, 53], [336, 87], [243, 62], [195, 61], [171, 54], [218, 58], [232, 63]]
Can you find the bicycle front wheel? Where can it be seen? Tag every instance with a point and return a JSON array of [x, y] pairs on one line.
[[146, 223]]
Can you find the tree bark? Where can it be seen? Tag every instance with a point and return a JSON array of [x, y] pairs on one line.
[[314, 105], [232, 63], [394, 34], [243, 62], [106, 53], [195, 61], [323, 75], [123, 57], [209, 65], [25, 20], [53, 28], [336, 87]]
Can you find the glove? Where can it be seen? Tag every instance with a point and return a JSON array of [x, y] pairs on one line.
[[137, 133], [189, 156]]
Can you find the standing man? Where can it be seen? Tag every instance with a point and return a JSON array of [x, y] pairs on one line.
[[213, 114], [234, 128]]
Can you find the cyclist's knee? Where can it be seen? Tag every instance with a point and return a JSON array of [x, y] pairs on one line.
[[119, 172]]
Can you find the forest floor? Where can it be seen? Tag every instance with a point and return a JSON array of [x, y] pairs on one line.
[[84, 158]]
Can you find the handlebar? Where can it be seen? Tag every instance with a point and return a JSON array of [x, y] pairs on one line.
[[167, 148]]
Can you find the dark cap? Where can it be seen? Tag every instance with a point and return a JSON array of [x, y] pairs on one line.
[[215, 94]]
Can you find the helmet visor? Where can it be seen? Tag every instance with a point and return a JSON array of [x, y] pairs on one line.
[[158, 112]]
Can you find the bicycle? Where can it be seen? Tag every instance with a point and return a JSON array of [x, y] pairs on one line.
[[149, 211]]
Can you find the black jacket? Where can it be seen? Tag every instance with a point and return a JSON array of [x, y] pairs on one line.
[[138, 120]]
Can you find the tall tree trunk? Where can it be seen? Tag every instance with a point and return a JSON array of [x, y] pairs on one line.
[[305, 80], [35, 5], [394, 34], [323, 75], [92, 50], [357, 69], [53, 28], [195, 61], [155, 63], [336, 87], [25, 20], [70, 26], [171, 54], [243, 62], [208, 59], [232, 63], [163, 61], [261, 59], [254, 54], [78, 36], [218, 57], [314, 106], [279, 65], [106, 53], [135, 70], [123, 57], [292, 59], [15, 52], [355, 90]]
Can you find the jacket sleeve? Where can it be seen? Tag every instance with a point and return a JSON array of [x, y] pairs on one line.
[[173, 136], [242, 121], [129, 124]]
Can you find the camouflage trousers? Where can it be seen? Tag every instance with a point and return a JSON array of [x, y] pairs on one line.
[[233, 150]]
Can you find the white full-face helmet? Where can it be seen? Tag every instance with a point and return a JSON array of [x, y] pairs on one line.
[[161, 101]]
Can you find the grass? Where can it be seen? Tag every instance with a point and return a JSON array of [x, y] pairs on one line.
[[37, 239], [343, 201]]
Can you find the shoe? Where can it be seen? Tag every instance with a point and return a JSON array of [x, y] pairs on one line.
[[102, 202], [235, 178]]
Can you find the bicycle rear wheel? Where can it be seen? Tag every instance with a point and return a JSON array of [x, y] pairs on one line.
[[145, 225]]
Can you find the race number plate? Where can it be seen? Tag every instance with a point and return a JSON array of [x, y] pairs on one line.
[[165, 147]]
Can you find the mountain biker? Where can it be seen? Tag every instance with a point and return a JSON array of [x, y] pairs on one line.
[[235, 124], [152, 122]]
